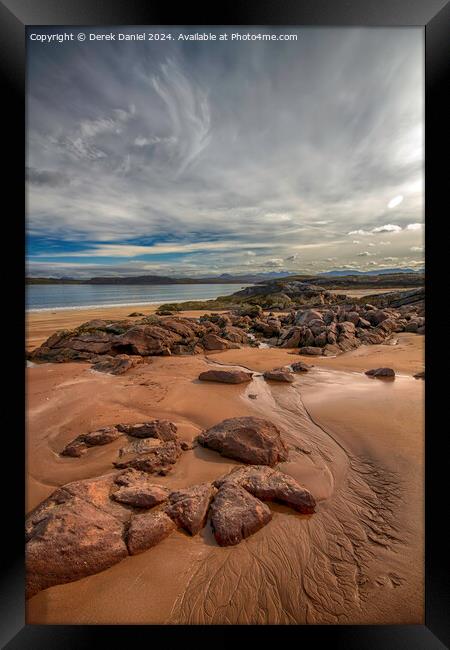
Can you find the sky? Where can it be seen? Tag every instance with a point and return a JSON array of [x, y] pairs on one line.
[[201, 158]]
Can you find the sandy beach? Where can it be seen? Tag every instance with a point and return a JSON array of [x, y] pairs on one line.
[[358, 447]]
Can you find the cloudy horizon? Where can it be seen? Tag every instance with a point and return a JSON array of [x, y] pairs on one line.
[[198, 158]]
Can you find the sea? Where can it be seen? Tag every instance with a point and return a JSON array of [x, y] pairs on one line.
[[52, 297]]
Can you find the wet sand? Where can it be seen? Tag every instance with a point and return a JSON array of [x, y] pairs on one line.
[[356, 443]]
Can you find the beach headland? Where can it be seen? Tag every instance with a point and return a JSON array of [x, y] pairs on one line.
[[355, 443]]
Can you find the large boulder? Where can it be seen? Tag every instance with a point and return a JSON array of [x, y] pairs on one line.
[[270, 485], [147, 530], [189, 507], [248, 439], [226, 376], [236, 514], [68, 538]]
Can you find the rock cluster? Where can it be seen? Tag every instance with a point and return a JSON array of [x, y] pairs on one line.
[[87, 526], [328, 328]]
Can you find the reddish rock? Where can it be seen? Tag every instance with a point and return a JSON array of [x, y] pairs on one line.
[[189, 507], [142, 495], [214, 342], [279, 374], [68, 539], [311, 351], [161, 429], [226, 376], [419, 375], [158, 460], [80, 444], [248, 439], [115, 365], [380, 372], [147, 530], [236, 514], [270, 485], [305, 317], [300, 366]]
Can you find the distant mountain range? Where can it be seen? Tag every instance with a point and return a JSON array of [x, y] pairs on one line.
[[224, 278], [346, 272]]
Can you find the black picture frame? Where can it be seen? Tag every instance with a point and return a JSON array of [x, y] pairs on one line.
[[15, 16]]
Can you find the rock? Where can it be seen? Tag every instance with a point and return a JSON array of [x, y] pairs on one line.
[[352, 317], [279, 374], [300, 366], [252, 396], [248, 439], [234, 334], [80, 444], [362, 322], [141, 495], [115, 365], [226, 376], [236, 514], [377, 316], [321, 340], [155, 461], [214, 342], [331, 350], [419, 375], [293, 338], [305, 317], [269, 328], [135, 314], [147, 530], [311, 350], [189, 507], [161, 429], [146, 340], [70, 538], [270, 485], [380, 372]]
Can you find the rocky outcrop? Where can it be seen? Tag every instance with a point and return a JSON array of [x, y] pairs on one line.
[[236, 514], [147, 530], [270, 485], [226, 376], [279, 374], [380, 372], [248, 439], [212, 341], [189, 507]]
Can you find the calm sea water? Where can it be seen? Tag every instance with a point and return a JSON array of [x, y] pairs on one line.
[[42, 297]]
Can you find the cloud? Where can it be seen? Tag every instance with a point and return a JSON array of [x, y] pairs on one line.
[[417, 249], [166, 152], [414, 226], [364, 254], [387, 228]]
